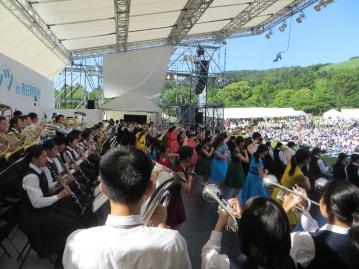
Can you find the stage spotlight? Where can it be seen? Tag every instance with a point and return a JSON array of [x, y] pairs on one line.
[[269, 34], [282, 27], [327, 2], [300, 18], [317, 7]]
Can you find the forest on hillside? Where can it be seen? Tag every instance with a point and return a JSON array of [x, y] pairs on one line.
[[313, 89]]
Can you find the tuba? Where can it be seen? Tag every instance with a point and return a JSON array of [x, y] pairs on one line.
[[212, 193], [164, 179]]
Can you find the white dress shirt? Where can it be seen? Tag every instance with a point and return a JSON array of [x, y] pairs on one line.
[[282, 157], [59, 166], [323, 167], [211, 257], [31, 185], [125, 243], [303, 248], [69, 157]]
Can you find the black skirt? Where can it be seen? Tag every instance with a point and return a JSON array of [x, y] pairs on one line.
[[48, 228]]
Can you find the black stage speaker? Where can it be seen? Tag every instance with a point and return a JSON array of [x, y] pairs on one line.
[[202, 73], [186, 114], [199, 117], [90, 104]]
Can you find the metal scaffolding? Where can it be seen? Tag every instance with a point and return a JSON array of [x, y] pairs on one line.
[[183, 71], [79, 82]]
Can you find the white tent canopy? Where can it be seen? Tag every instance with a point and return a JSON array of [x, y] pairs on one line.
[[332, 114], [350, 113], [261, 112], [132, 103]]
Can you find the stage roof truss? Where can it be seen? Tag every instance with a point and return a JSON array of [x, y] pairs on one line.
[[76, 29], [122, 14], [188, 18], [23, 10]]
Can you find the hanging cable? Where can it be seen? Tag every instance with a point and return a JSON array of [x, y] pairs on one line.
[[279, 54]]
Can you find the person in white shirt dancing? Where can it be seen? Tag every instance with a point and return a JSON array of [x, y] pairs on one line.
[[124, 242]]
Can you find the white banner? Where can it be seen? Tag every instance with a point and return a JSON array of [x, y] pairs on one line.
[[23, 89], [141, 72]]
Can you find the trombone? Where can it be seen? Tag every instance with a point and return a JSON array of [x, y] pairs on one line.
[[270, 182], [211, 193]]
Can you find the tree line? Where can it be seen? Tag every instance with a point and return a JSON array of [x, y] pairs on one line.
[[313, 89]]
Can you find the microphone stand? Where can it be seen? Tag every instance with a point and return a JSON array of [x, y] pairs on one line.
[[36, 103]]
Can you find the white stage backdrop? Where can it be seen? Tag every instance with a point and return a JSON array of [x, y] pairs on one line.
[[139, 71], [19, 86]]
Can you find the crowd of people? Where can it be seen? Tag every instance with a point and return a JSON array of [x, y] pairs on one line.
[[55, 220], [332, 136]]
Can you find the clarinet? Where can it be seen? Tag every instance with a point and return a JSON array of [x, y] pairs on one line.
[[69, 173], [63, 183]]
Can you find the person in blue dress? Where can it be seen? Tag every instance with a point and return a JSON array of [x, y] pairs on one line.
[[253, 185], [219, 162]]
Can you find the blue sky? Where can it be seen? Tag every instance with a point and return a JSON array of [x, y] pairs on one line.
[[328, 36]]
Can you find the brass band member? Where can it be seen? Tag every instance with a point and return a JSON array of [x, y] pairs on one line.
[[60, 122], [124, 242], [15, 125], [3, 125], [71, 154], [264, 238], [44, 217], [336, 244]]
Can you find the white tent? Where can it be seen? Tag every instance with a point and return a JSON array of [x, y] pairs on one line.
[[132, 104], [352, 113], [261, 112], [332, 114]]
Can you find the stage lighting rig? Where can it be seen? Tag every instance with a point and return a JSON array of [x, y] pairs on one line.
[[282, 27], [300, 18], [322, 3], [269, 34]]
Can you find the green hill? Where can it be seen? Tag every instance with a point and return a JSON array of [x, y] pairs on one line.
[[314, 88], [350, 64]]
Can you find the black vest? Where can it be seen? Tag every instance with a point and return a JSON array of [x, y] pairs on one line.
[[43, 184], [314, 167], [339, 171], [53, 170], [352, 171], [333, 250], [242, 262], [70, 153]]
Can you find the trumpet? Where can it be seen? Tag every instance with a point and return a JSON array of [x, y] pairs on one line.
[[211, 193], [165, 178], [270, 181]]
